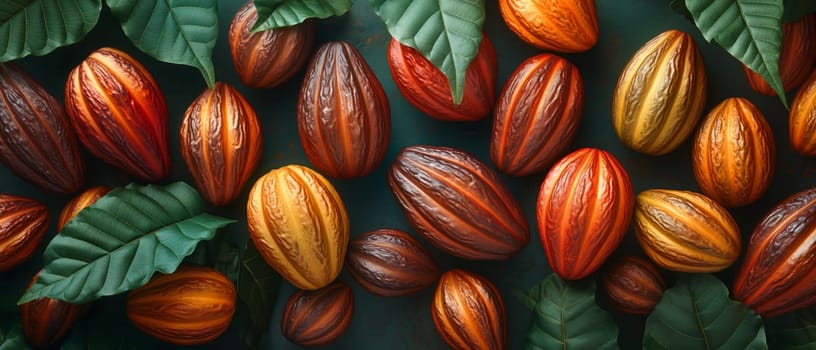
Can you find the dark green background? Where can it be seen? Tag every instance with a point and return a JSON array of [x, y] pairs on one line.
[[405, 323]]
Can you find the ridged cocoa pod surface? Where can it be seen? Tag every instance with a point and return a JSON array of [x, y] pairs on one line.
[[685, 231], [80, 202], [299, 225], [390, 263], [632, 285], [316, 318], [344, 119], [119, 113], [660, 94], [468, 311], [457, 203], [220, 139], [567, 26], [583, 210], [778, 271], [191, 306], [426, 87], [46, 321], [269, 58], [796, 57], [733, 153], [802, 119], [23, 222], [537, 115]]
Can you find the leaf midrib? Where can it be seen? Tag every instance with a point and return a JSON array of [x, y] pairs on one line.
[[189, 43], [692, 298]]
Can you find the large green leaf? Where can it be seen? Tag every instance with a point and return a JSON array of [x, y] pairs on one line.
[[796, 9], [446, 32], [118, 242], [284, 13], [750, 30], [11, 337], [257, 290], [173, 31], [37, 27], [567, 317], [794, 331], [697, 314]]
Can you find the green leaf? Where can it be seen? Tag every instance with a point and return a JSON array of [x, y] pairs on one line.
[[750, 30], [793, 331], [37, 27], [446, 32], [173, 31], [697, 314], [257, 290], [567, 317], [12, 338], [226, 258], [796, 9], [284, 13], [117, 243]]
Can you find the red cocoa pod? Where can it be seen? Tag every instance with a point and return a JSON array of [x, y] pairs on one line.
[[802, 119], [457, 203], [220, 140], [390, 263], [584, 207], [119, 113], [796, 57], [80, 202], [778, 271], [37, 142], [537, 115], [46, 321], [23, 222], [318, 317], [632, 285], [267, 59], [468, 311], [343, 114], [426, 87]]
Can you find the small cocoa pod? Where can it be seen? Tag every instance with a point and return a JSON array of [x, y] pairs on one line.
[[468, 311], [796, 57], [46, 321], [802, 120], [568, 26], [537, 115], [191, 306], [267, 59], [80, 202], [220, 140], [390, 263], [426, 87], [343, 114], [457, 203], [23, 222], [119, 113], [632, 285], [315, 318]]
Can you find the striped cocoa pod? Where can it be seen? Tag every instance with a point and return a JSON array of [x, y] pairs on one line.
[[468, 311], [568, 26], [632, 285], [80, 202], [318, 317], [46, 321], [23, 222], [802, 119]]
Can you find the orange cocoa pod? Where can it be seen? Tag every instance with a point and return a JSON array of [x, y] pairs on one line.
[[632, 285], [318, 317], [80, 202], [468, 311], [802, 119], [119, 113], [267, 59], [191, 306], [220, 140], [584, 207], [796, 57], [46, 321], [537, 115], [567, 26], [23, 222], [778, 274], [426, 87], [37, 142], [457, 203], [343, 114], [733, 153]]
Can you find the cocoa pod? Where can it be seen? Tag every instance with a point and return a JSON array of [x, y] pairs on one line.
[[796, 57], [23, 222], [344, 120], [119, 113], [46, 321], [316, 318], [390, 263], [457, 203], [468, 311], [537, 115], [80, 202], [632, 285], [567, 26], [802, 119], [220, 140], [37, 142]]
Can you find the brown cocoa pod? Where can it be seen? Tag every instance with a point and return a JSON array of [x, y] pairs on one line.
[[457, 203], [220, 140], [267, 59], [46, 321], [632, 285], [568, 26], [318, 317], [468, 311], [796, 57], [80, 202], [23, 222], [37, 142], [119, 113], [390, 263], [343, 114], [802, 119]]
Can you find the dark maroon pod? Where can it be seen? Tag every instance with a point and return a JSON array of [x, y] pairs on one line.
[[632, 285], [318, 317]]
